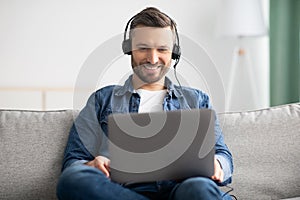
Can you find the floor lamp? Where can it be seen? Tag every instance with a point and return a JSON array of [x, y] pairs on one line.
[[241, 19]]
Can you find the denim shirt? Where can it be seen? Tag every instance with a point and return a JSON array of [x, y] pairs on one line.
[[88, 135]]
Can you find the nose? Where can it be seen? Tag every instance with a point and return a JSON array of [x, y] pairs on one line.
[[152, 56]]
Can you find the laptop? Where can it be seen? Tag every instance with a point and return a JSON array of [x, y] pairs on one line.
[[167, 145]]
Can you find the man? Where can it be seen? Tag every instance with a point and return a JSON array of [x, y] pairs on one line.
[[151, 43]]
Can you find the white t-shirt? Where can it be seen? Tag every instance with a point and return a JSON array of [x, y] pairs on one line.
[[151, 101]]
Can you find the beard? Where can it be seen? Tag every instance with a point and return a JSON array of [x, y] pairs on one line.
[[149, 73]]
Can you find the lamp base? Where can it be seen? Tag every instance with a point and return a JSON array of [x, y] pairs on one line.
[[242, 92]]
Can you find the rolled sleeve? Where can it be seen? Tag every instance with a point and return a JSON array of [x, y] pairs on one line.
[[225, 165], [79, 162]]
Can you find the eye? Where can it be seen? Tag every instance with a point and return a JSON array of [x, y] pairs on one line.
[[143, 48], [163, 49]]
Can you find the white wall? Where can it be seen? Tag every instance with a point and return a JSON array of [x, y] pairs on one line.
[[45, 44]]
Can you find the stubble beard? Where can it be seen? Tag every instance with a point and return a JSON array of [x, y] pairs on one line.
[[148, 77]]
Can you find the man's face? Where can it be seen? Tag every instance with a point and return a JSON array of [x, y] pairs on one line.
[[151, 53]]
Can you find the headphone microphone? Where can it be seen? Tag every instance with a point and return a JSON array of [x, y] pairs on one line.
[[176, 51]]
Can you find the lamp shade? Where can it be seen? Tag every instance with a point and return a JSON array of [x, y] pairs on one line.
[[240, 18]]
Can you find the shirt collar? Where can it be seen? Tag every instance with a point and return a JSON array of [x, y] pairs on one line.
[[128, 87]]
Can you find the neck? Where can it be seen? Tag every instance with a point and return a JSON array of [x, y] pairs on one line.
[[139, 84], [152, 87]]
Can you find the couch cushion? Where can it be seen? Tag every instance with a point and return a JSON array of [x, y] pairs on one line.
[[32, 146], [266, 149]]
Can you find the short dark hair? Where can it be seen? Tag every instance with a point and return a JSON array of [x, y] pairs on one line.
[[152, 17]]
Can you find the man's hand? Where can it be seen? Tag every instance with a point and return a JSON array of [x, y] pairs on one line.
[[101, 163], [219, 174]]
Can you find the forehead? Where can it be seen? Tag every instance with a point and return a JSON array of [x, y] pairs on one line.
[[152, 35]]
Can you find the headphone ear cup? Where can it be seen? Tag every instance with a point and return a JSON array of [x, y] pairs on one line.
[[126, 46], [176, 53]]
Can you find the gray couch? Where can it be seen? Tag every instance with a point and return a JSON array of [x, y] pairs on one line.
[[265, 144]]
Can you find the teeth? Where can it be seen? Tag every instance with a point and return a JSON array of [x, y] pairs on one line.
[[148, 67]]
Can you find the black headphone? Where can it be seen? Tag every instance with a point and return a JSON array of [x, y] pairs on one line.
[[176, 51]]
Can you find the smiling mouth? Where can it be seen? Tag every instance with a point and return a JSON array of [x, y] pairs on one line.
[[151, 67]]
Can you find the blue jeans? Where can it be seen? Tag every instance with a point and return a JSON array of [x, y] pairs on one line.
[[84, 182]]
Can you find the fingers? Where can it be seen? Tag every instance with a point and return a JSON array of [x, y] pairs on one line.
[[102, 163], [218, 176], [104, 169]]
